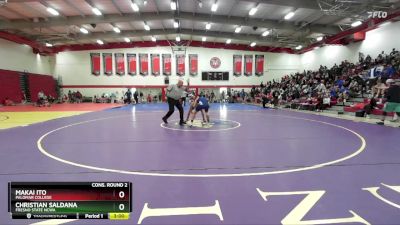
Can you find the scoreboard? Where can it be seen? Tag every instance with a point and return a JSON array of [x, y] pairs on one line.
[[70, 200], [215, 75]]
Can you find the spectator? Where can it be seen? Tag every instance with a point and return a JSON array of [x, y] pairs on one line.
[[368, 108], [393, 100], [378, 89], [135, 96], [70, 96], [141, 97], [42, 99], [113, 97], [8, 102], [128, 96], [78, 97]]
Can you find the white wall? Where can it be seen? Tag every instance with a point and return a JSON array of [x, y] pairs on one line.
[[74, 68], [19, 57], [384, 38]]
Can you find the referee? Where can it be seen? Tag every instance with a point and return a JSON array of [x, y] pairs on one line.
[[174, 98]]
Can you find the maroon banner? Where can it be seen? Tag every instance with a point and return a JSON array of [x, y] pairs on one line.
[[248, 65], [193, 64], [95, 63], [180, 65], [144, 64], [155, 64], [107, 63], [131, 62], [166, 64], [120, 63], [237, 65], [259, 65]]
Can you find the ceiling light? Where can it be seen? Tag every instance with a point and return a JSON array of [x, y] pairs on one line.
[[178, 38], [299, 47], [53, 11], [356, 23], [200, 4], [134, 6], [146, 27], [144, 2], [238, 29], [265, 33], [176, 24], [228, 41], [173, 5], [253, 44], [252, 11], [96, 11], [127, 40], [100, 42], [153, 39], [208, 26], [289, 15], [320, 38], [48, 44], [214, 7], [203, 39], [116, 30], [83, 30]]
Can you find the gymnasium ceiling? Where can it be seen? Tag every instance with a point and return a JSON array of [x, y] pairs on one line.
[[33, 19]]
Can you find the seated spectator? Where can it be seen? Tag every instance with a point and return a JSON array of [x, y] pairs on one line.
[[334, 92], [42, 99], [8, 102], [51, 99], [65, 98], [343, 94], [368, 108], [388, 71], [104, 98], [393, 52], [378, 89], [78, 97], [72, 99]]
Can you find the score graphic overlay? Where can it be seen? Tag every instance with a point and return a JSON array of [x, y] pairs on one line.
[[70, 200]]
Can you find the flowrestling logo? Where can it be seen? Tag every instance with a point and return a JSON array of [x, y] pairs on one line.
[[377, 14]]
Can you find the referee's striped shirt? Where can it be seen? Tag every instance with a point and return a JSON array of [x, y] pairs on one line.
[[173, 91]]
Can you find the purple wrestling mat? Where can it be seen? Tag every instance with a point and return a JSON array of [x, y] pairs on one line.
[[249, 166]]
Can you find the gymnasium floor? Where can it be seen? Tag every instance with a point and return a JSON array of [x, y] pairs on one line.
[[251, 166]]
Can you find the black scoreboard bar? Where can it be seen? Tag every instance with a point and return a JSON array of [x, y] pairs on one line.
[[70, 200], [211, 75]]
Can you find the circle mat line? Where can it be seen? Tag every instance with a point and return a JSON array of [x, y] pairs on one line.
[[177, 127], [316, 166]]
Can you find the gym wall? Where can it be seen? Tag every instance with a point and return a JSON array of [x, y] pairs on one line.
[[17, 57], [75, 69], [384, 38]]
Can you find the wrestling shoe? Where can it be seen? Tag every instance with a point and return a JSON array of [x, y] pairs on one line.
[[165, 120]]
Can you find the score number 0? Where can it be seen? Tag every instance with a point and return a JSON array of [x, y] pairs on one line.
[[121, 195]]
